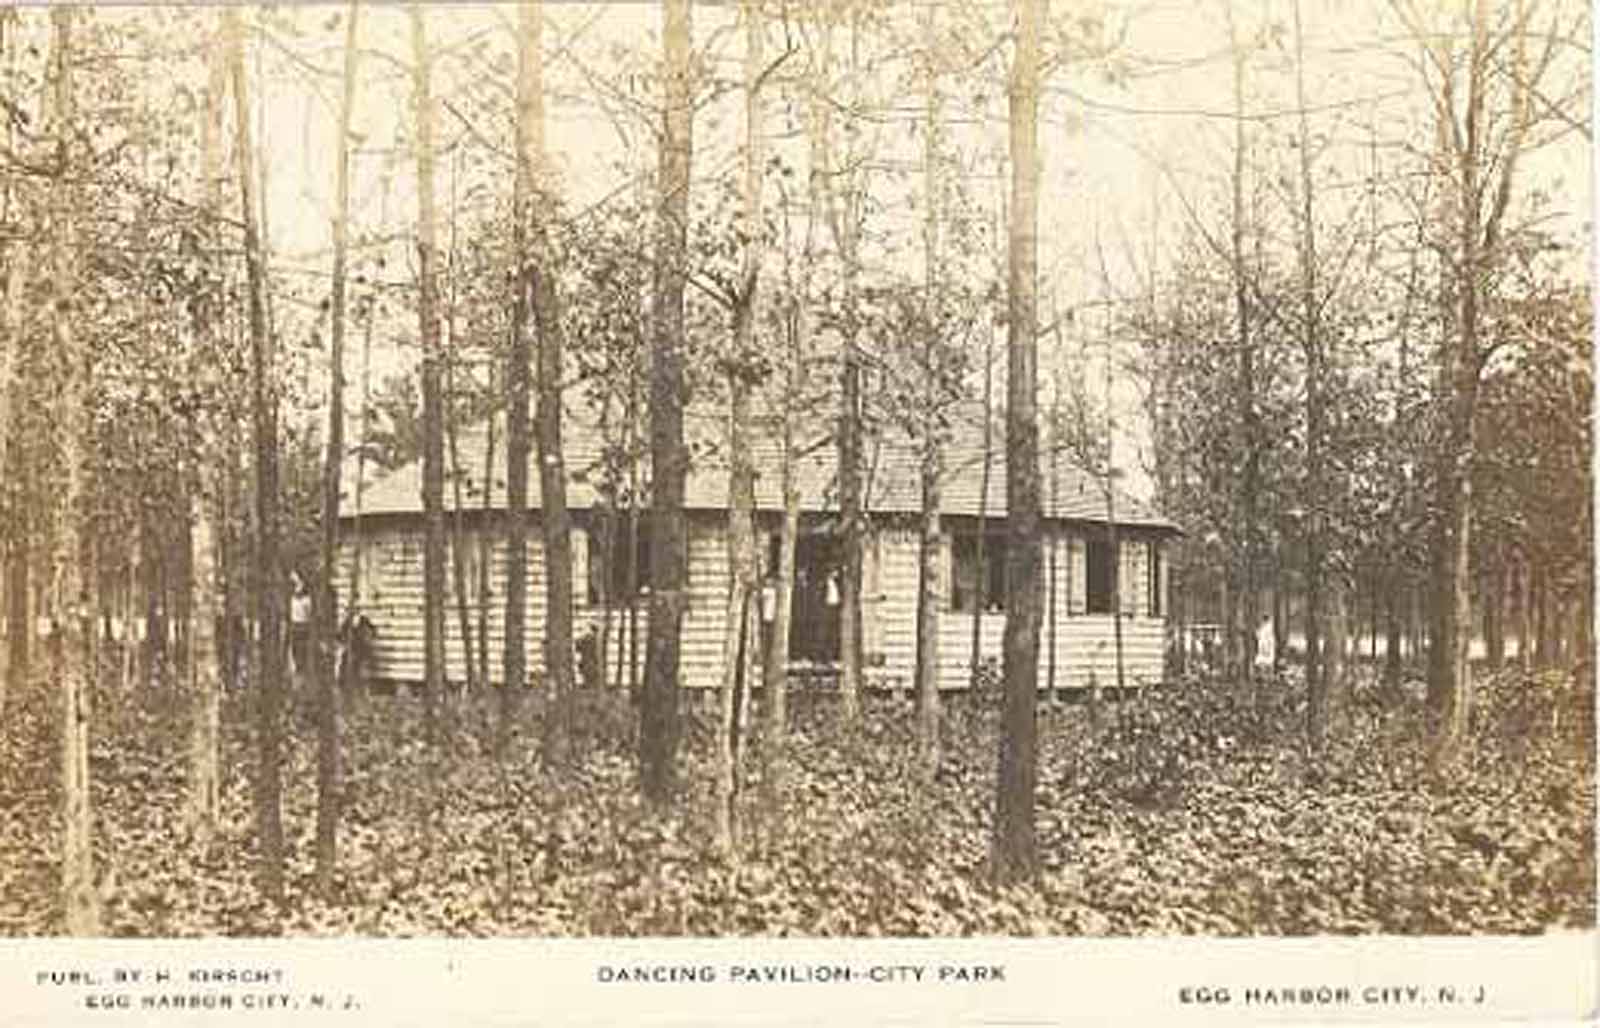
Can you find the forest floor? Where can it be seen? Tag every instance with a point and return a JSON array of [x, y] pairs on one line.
[[1196, 808]]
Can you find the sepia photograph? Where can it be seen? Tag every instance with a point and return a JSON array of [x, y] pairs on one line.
[[718, 482]]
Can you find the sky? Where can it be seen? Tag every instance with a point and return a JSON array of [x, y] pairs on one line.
[[1130, 147]]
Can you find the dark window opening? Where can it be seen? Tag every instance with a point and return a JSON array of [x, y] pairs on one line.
[[1101, 576], [815, 600], [966, 591], [625, 580]]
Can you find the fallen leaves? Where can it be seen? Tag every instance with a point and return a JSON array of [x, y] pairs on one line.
[[1192, 809]]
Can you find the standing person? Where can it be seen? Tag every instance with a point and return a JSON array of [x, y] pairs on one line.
[[300, 626]]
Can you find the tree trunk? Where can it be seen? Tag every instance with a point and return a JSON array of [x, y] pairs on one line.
[[844, 218], [358, 548], [1374, 624], [659, 720], [741, 466], [458, 513], [1053, 601], [540, 285], [1392, 625], [1336, 658], [1583, 635], [205, 673], [1317, 673], [851, 525], [128, 594], [237, 648], [1560, 622], [1015, 852], [518, 444], [795, 327], [150, 588], [205, 732], [1249, 482], [1114, 537], [1494, 608], [775, 681], [1418, 617], [1178, 624], [929, 596], [433, 571], [19, 609], [12, 266], [1115, 542], [1229, 606], [1544, 642], [69, 600], [1481, 160], [931, 545], [268, 586], [1522, 586], [634, 572], [325, 616], [981, 557], [179, 583], [1448, 682], [485, 548]]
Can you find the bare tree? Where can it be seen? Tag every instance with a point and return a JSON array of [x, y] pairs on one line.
[[844, 218], [931, 543], [539, 283], [205, 785], [1311, 339], [659, 719], [1244, 611], [794, 328], [1015, 850], [1478, 157], [69, 600], [518, 361], [433, 570], [268, 583], [326, 614], [737, 635], [458, 467]]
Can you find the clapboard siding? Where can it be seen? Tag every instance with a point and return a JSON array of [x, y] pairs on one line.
[[700, 650], [392, 598], [1084, 645], [1081, 646], [891, 611]]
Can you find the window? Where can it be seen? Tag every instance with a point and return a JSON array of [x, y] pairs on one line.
[[1101, 576], [625, 580], [964, 580], [1153, 575]]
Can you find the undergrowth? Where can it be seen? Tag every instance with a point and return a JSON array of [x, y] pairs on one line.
[[1199, 807]]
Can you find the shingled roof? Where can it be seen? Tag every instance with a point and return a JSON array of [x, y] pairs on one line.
[[892, 470]]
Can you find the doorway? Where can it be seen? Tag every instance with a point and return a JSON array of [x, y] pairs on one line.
[[814, 616]]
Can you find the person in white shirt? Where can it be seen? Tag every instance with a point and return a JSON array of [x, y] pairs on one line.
[[300, 625]]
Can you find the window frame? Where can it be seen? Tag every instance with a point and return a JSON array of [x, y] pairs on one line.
[[1108, 592]]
